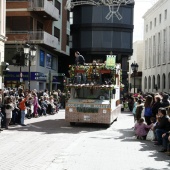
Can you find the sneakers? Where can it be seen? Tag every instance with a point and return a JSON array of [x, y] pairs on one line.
[[23, 125], [1, 129]]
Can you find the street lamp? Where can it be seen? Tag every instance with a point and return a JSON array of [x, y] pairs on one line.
[[30, 52], [134, 67]]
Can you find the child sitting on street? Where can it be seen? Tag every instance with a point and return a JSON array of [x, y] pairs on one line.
[[141, 129]]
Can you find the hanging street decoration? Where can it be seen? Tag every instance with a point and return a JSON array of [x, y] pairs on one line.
[[113, 5]]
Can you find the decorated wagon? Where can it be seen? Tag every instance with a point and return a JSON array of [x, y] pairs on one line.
[[94, 93]]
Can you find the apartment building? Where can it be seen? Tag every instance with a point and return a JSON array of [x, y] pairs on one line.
[[2, 36], [156, 66], [43, 24]]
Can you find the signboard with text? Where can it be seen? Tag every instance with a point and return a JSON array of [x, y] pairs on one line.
[[15, 76]]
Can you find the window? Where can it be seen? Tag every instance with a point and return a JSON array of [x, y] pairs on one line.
[[57, 33], [150, 25], [154, 50], [150, 51], [159, 47], [54, 63], [160, 18], [145, 83], [158, 81], [71, 17], [39, 26], [68, 15], [165, 14], [48, 61], [58, 6], [163, 81], [67, 40], [14, 23], [155, 22], [146, 52], [146, 28], [42, 58], [164, 45], [149, 81], [153, 82]]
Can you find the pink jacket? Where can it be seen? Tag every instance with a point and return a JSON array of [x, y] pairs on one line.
[[142, 129]]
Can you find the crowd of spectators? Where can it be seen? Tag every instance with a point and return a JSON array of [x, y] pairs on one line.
[[18, 104], [151, 113]]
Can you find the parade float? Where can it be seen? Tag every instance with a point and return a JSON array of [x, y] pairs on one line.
[[94, 92]]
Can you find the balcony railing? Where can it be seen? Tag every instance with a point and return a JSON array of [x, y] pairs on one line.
[[46, 6], [38, 37]]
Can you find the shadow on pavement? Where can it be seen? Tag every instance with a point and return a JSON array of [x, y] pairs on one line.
[[58, 126], [128, 136]]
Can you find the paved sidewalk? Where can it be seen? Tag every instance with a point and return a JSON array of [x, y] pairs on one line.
[[115, 148], [50, 143]]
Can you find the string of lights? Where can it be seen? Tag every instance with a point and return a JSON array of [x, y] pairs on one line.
[[113, 5]]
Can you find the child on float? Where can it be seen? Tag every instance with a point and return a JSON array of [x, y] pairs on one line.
[[141, 129]]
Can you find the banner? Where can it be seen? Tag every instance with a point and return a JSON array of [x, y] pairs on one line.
[[110, 62]]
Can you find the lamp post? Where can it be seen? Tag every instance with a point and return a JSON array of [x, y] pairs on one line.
[[134, 67], [30, 52]]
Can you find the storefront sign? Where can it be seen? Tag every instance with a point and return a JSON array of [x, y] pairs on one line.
[[15, 76]]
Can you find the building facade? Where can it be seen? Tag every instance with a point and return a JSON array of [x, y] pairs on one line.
[[137, 57], [2, 37], [95, 36], [156, 66], [44, 24]]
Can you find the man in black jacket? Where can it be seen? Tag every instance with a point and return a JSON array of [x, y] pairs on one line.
[[79, 59]]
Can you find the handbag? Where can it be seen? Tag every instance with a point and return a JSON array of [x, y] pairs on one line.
[[150, 135]]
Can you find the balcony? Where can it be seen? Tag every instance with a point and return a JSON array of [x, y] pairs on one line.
[[44, 8], [37, 37]]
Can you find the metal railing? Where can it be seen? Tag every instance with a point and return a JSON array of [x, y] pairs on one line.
[[48, 7], [41, 37]]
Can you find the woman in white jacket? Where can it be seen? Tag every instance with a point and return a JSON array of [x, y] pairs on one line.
[[8, 110]]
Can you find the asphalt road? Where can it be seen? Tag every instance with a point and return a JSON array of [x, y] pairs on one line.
[[50, 143]]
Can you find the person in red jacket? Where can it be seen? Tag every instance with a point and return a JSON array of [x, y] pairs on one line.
[[22, 107]]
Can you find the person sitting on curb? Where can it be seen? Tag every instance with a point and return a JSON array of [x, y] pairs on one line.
[[141, 129], [165, 142], [162, 127]]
